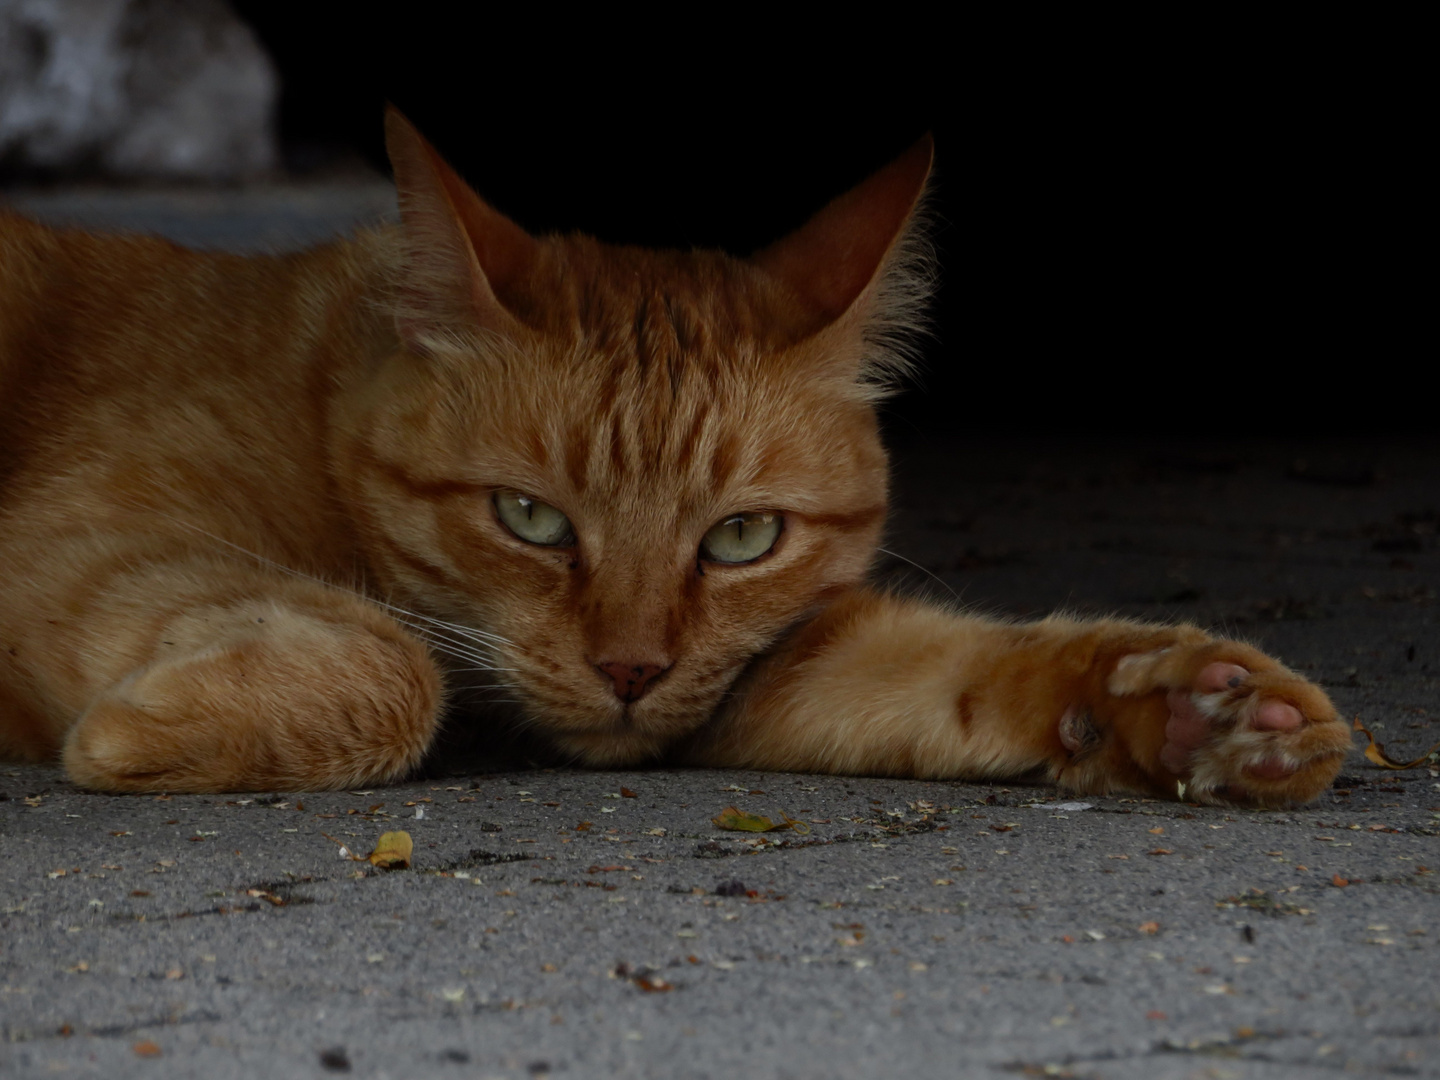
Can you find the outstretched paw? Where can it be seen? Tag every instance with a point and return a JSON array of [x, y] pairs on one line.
[[1240, 727]]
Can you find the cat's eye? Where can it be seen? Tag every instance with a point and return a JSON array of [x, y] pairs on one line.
[[533, 521], [741, 538]]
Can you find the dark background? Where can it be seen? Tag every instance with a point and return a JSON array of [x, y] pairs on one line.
[[1143, 228]]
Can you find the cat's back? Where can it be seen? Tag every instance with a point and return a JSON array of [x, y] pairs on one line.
[[133, 365], [79, 310], [141, 346], [27, 249], [117, 303]]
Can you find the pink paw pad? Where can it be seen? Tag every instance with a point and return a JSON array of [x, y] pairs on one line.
[[1188, 727], [1277, 716]]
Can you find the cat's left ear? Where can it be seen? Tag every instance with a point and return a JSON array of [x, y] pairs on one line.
[[841, 255], [462, 257]]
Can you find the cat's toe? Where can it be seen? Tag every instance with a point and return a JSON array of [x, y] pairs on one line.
[[1276, 716], [1218, 677]]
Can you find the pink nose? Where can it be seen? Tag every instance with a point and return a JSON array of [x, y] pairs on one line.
[[631, 679]]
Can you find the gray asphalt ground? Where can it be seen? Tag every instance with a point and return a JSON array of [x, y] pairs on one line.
[[594, 924]]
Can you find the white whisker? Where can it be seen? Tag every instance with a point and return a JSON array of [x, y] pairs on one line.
[[451, 648], [923, 570], [469, 638], [458, 650], [479, 636]]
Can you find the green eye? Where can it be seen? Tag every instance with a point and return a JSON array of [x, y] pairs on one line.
[[741, 538], [532, 521]]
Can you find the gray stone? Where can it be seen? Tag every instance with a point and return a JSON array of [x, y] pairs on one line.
[[134, 89]]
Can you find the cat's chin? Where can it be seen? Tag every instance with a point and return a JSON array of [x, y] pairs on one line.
[[610, 749]]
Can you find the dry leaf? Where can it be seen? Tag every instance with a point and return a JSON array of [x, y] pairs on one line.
[[1376, 751], [647, 979], [392, 851], [1161, 851], [737, 820], [1149, 927], [344, 851], [626, 793], [146, 1049]]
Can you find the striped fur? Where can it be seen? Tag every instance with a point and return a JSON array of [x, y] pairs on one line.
[[249, 534]]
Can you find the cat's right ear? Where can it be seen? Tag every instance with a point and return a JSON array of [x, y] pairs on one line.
[[460, 254], [841, 254]]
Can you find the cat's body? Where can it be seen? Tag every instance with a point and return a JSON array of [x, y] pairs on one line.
[[259, 516]]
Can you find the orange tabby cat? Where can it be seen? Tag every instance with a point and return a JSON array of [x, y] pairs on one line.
[[259, 516]]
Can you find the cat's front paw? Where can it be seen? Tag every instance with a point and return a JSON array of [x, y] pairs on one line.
[[1240, 727], [295, 703]]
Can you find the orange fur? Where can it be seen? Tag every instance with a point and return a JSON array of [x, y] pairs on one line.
[[251, 538]]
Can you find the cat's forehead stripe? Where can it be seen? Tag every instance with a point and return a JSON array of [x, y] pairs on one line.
[[430, 489]]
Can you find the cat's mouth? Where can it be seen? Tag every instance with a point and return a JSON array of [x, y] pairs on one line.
[[625, 717], [632, 719], [617, 733]]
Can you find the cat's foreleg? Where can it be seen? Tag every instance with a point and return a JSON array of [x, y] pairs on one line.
[[884, 686], [240, 680]]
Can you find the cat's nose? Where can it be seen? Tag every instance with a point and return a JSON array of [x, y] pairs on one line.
[[631, 679]]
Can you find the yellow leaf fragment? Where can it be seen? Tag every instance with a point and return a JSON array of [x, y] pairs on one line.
[[392, 851], [1375, 751], [737, 820]]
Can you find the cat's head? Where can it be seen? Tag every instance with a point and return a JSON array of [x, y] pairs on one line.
[[638, 468]]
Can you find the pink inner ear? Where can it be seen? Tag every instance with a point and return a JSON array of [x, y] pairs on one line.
[[831, 259], [464, 257], [505, 251]]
